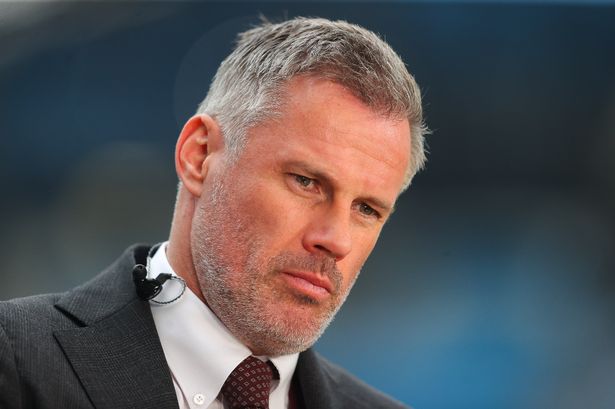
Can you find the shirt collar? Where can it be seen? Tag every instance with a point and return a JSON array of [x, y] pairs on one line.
[[200, 350]]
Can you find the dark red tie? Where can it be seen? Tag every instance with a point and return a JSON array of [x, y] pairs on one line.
[[248, 386]]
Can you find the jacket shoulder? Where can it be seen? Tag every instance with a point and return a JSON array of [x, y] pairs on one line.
[[36, 313], [329, 385], [29, 328], [27, 351], [32, 320]]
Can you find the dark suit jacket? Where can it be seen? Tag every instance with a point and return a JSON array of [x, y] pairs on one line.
[[97, 346]]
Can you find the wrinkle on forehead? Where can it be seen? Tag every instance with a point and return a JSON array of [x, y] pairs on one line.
[[325, 123], [370, 147], [372, 134]]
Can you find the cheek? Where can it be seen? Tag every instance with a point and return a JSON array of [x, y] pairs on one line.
[[275, 212], [362, 248]]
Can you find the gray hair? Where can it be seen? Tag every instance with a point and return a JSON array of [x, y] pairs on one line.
[[249, 84]]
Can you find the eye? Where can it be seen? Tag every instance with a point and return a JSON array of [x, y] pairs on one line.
[[367, 210], [303, 184], [304, 181]]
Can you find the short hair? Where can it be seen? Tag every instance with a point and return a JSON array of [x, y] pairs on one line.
[[249, 84]]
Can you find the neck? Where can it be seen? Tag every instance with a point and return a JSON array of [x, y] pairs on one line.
[[179, 251]]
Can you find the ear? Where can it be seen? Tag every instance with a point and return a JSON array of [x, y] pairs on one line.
[[197, 142]]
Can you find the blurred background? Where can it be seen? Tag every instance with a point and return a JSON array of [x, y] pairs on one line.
[[493, 284]]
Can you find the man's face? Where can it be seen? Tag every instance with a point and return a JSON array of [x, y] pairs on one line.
[[280, 234]]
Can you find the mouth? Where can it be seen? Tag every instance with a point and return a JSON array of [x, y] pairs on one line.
[[309, 284]]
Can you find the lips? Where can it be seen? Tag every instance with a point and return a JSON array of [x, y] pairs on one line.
[[311, 284]]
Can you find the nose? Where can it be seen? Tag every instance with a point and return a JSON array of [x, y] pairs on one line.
[[329, 233]]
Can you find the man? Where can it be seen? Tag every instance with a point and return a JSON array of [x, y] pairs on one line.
[[288, 171]]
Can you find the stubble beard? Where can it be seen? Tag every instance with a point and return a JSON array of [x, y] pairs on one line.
[[269, 319]]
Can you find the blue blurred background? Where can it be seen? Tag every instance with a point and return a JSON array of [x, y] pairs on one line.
[[492, 286]]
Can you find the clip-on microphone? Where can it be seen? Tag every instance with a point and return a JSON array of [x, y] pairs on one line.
[[149, 288]]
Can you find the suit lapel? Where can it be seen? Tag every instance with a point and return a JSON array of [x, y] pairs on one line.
[[316, 387], [115, 350], [120, 361]]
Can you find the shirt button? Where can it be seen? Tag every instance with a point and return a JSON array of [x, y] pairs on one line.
[[198, 399]]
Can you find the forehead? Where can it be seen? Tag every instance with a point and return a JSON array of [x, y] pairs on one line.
[[324, 124]]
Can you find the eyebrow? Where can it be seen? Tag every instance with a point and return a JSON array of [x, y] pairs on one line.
[[320, 175]]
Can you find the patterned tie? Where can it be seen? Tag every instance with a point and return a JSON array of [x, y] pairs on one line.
[[248, 386]]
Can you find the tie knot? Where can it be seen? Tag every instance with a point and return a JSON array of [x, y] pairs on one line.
[[248, 386]]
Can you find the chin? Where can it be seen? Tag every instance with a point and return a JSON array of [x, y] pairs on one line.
[[266, 343], [288, 333]]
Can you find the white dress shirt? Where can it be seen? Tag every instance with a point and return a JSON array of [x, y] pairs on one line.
[[200, 350]]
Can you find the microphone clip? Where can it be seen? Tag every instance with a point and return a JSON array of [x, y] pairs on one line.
[[149, 288]]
